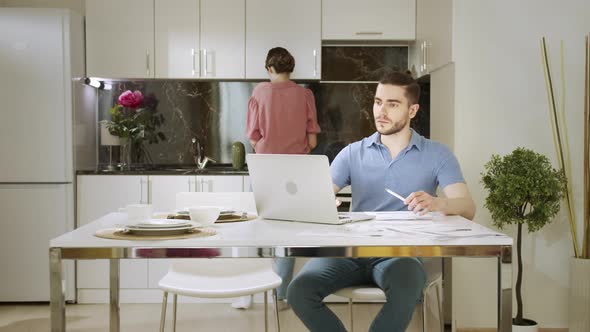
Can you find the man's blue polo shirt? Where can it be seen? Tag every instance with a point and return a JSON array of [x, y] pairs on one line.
[[367, 166]]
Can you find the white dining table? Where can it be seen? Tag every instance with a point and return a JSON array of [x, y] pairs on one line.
[[442, 236]]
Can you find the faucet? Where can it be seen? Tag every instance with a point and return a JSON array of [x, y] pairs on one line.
[[199, 154]]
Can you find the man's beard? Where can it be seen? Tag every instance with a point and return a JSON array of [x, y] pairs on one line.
[[397, 127]]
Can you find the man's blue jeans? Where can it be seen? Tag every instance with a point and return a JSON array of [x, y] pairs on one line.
[[402, 280], [283, 266]]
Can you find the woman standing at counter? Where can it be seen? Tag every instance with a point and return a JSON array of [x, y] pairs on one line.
[[281, 114], [281, 118]]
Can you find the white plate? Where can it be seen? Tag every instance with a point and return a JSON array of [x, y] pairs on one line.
[[132, 228], [162, 223]]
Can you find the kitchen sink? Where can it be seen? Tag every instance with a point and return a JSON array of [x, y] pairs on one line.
[[210, 169]]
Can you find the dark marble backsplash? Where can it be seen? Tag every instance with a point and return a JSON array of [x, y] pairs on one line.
[[361, 63], [214, 112]]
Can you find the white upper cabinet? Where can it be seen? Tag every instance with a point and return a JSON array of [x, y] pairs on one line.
[[294, 25], [177, 38], [223, 27], [200, 39], [368, 19], [433, 47], [120, 38]]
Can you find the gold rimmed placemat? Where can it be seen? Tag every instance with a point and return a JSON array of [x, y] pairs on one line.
[[121, 234], [235, 219]]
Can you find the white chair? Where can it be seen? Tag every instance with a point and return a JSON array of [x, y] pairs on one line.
[[219, 278], [433, 269]]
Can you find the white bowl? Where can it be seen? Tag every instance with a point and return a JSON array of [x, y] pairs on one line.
[[138, 212], [204, 215]]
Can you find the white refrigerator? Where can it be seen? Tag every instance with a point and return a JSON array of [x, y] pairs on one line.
[[41, 50]]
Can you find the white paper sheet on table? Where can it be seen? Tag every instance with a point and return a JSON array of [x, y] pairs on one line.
[[430, 229], [400, 215]]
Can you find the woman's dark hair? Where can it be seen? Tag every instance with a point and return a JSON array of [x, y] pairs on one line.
[[280, 59], [405, 81]]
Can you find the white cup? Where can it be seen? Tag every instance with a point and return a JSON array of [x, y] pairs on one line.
[[204, 215], [138, 212]]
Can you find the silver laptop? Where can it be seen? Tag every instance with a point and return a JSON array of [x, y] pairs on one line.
[[296, 188]]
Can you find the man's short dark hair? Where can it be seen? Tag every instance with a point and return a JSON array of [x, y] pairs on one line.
[[405, 81], [280, 59]]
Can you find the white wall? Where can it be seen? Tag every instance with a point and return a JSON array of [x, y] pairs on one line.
[[75, 5], [500, 104]]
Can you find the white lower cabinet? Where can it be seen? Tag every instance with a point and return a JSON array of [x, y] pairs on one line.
[[98, 195], [213, 183], [247, 184]]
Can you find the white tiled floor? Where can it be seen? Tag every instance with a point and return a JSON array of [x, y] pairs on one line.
[[191, 317]]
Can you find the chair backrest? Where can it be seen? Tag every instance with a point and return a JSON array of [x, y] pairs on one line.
[[236, 200]]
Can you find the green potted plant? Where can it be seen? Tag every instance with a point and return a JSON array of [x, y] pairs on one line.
[[524, 189]]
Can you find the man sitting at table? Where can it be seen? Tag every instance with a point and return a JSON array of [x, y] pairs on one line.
[[398, 158]]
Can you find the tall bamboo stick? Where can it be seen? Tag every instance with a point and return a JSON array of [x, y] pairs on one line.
[[558, 143], [585, 245], [567, 168]]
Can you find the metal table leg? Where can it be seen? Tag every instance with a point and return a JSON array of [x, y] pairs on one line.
[[115, 319], [505, 290], [56, 292]]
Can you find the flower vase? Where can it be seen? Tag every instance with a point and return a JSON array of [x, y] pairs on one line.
[[126, 154]]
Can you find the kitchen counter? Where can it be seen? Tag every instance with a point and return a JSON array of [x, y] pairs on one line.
[[211, 170]]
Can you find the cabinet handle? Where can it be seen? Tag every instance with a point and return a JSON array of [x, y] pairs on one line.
[[424, 57], [205, 61], [192, 182], [315, 63], [147, 62], [141, 183], [149, 191], [193, 57], [203, 182], [369, 33], [421, 57], [427, 56]]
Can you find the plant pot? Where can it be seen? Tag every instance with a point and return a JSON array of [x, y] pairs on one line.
[[579, 295], [533, 327]]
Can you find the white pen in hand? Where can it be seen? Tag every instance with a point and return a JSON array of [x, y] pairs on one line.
[[400, 197]]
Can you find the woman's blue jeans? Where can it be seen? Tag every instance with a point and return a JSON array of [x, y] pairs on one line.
[[402, 280]]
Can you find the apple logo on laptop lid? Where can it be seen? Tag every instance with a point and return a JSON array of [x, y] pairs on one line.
[[291, 187]]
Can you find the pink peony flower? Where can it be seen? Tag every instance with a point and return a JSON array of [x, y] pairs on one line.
[[131, 99]]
